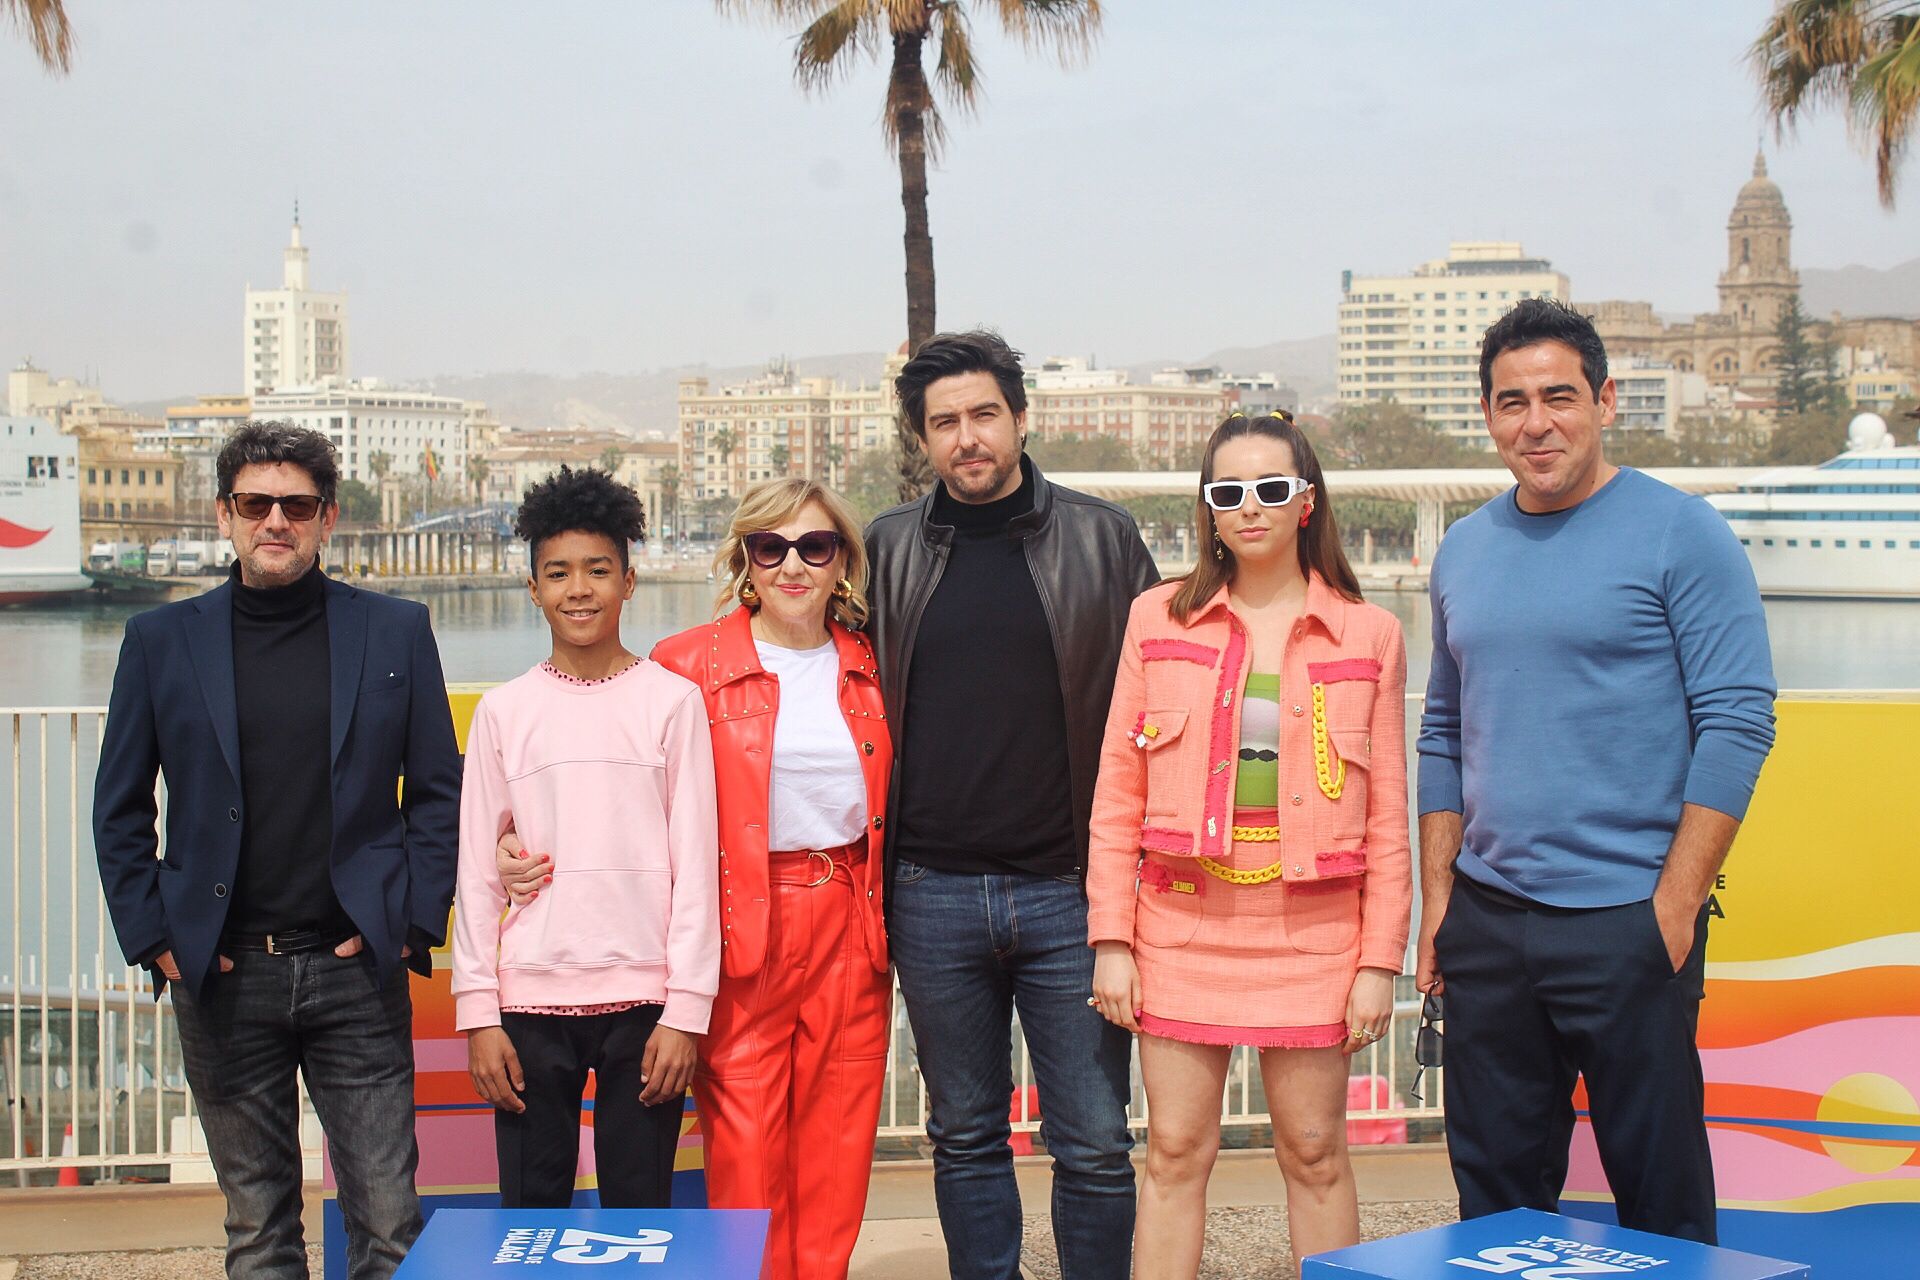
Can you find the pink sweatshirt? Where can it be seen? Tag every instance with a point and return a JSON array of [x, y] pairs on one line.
[[615, 779]]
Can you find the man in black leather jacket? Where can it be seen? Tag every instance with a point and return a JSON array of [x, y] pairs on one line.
[[998, 605]]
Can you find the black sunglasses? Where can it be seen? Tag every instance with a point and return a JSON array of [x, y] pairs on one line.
[[769, 550], [255, 506], [1270, 491], [1427, 1042]]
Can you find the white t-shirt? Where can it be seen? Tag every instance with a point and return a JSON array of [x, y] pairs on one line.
[[819, 794]]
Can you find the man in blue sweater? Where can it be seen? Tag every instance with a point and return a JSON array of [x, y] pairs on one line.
[[1600, 703]]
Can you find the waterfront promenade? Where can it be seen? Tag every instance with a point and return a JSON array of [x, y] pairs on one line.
[[174, 1233]]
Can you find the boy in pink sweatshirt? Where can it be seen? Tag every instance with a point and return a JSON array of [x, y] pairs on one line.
[[612, 967]]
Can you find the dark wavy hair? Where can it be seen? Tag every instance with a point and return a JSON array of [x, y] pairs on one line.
[[1319, 543], [265, 443], [946, 354], [583, 501], [1534, 321]]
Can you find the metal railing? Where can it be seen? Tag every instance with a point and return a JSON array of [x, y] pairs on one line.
[[90, 1065]]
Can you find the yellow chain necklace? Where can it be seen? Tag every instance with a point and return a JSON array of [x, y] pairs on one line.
[[1262, 875], [1331, 783]]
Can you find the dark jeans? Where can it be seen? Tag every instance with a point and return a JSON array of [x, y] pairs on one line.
[[633, 1144], [1537, 995], [969, 950], [351, 1035]]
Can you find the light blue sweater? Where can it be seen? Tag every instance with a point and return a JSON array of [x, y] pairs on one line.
[[1593, 669]]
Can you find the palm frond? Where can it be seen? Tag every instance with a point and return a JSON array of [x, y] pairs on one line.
[[47, 29], [1064, 28], [956, 74], [1885, 100], [832, 42], [782, 13], [1806, 53]]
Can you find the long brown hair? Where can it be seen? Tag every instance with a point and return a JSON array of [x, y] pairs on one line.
[[1319, 542]]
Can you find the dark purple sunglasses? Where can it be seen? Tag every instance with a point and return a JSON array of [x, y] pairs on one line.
[[769, 550]]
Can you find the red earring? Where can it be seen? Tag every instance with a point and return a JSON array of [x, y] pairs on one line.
[[1305, 515]]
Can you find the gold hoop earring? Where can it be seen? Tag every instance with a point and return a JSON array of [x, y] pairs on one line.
[[748, 596], [1219, 547], [843, 589]]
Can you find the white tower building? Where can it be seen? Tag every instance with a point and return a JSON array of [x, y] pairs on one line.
[[295, 336]]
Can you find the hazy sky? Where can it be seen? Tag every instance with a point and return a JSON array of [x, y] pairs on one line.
[[631, 184]]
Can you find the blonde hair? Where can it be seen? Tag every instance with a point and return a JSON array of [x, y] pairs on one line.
[[773, 503]]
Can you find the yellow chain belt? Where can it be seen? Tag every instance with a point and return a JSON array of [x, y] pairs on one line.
[[1262, 875], [1330, 772]]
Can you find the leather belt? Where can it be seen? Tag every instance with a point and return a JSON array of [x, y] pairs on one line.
[[285, 942], [811, 868]]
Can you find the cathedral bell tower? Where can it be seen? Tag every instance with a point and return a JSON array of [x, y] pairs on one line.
[[1759, 277]]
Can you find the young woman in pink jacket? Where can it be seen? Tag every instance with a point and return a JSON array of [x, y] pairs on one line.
[[1249, 878]]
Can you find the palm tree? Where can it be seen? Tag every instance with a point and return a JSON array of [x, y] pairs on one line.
[[1860, 55], [779, 457], [670, 496], [722, 442], [841, 32], [379, 462], [477, 472], [47, 28], [610, 459]]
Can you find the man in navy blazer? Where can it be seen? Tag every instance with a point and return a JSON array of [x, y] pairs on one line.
[[298, 878]]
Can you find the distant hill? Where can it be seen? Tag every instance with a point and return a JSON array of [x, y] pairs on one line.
[[637, 403], [1307, 364], [643, 404], [1862, 291]]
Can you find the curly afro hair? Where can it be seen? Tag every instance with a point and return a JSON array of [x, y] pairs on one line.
[[583, 501]]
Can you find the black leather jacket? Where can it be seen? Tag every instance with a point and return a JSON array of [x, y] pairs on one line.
[[1088, 563]]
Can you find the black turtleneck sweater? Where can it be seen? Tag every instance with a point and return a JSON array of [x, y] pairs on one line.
[[984, 787], [282, 684]]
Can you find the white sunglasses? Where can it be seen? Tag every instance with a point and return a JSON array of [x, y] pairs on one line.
[[1270, 491]]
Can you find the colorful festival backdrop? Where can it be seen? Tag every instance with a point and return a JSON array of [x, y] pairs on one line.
[[454, 1127], [1810, 1034]]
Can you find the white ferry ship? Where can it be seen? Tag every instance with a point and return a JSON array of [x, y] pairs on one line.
[[1849, 527], [39, 511]]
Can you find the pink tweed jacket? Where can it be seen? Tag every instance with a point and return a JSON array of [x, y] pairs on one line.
[[1171, 752]]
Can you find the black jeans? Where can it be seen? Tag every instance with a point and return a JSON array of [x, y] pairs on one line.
[[1537, 995], [351, 1035], [633, 1144]]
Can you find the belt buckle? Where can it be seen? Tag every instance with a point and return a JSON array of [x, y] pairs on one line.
[[270, 950], [826, 858]]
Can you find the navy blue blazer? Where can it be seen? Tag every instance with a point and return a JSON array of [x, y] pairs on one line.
[[173, 713]]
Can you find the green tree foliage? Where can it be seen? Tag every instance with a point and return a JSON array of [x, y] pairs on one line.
[[1384, 435], [358, 503], [872, 483], [1718, 440], [1804, 439], [1642, 449], [1075, 453], [1798, 382]]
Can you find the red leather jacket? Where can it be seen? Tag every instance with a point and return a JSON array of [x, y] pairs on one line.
[[742, 698]]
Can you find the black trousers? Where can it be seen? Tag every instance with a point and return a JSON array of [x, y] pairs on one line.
[[1538, 995], [633, 1144]]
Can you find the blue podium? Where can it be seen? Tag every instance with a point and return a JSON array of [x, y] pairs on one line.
[[664, 1244], [1526, 1244]]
